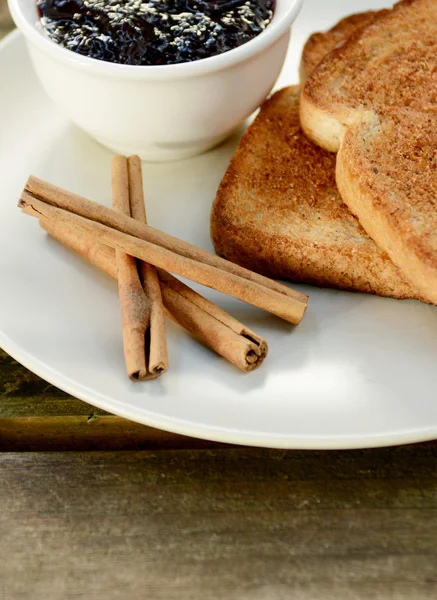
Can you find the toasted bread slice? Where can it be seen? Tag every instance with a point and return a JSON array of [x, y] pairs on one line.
[[321, 43], [390, 62], [278, 211], [387, 175]]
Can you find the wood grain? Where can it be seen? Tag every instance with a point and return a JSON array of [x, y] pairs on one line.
[[93, 432], [235, 523]]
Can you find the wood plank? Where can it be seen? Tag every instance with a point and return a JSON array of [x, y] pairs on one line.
[[24, 394], [235, 523], [242, 464], [90, 432]]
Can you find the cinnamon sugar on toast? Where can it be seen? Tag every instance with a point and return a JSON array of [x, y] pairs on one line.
[[387, 174], [390, 62], [321, 43], [278, 211]]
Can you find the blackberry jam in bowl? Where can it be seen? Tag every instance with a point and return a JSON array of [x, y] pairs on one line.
[[154, 32], [165, 79]]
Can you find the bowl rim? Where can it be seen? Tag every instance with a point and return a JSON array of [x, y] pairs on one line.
[[34, 33]]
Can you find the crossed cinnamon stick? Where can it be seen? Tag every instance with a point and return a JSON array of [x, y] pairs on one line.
[[142, 310], [78, 222]]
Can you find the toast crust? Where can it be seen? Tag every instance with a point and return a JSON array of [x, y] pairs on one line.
[[320, 44], [390, 62], [394, 194], [278, 211]]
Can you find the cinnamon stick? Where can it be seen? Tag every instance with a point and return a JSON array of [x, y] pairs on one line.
[[142, 346], [253, 289], [213, 326], [134, 305], [203, 319], [158, 356], [71, 202]]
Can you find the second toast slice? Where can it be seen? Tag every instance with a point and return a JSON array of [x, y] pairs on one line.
[[389, 63]]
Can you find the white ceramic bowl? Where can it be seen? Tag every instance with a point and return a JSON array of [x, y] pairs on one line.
[[163, 112]]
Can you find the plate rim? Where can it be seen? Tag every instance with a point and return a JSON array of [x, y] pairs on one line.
[[203, 431], [214, 434]]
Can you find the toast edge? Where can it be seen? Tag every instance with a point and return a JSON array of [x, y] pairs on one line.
[[421, 277], [323, 127]]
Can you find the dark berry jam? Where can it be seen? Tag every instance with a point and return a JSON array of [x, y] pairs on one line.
[[156, 32]]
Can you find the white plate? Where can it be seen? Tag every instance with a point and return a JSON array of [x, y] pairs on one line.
[[360, 371]]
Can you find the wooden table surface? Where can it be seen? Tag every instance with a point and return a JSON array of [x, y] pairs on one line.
[[94, 507]]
